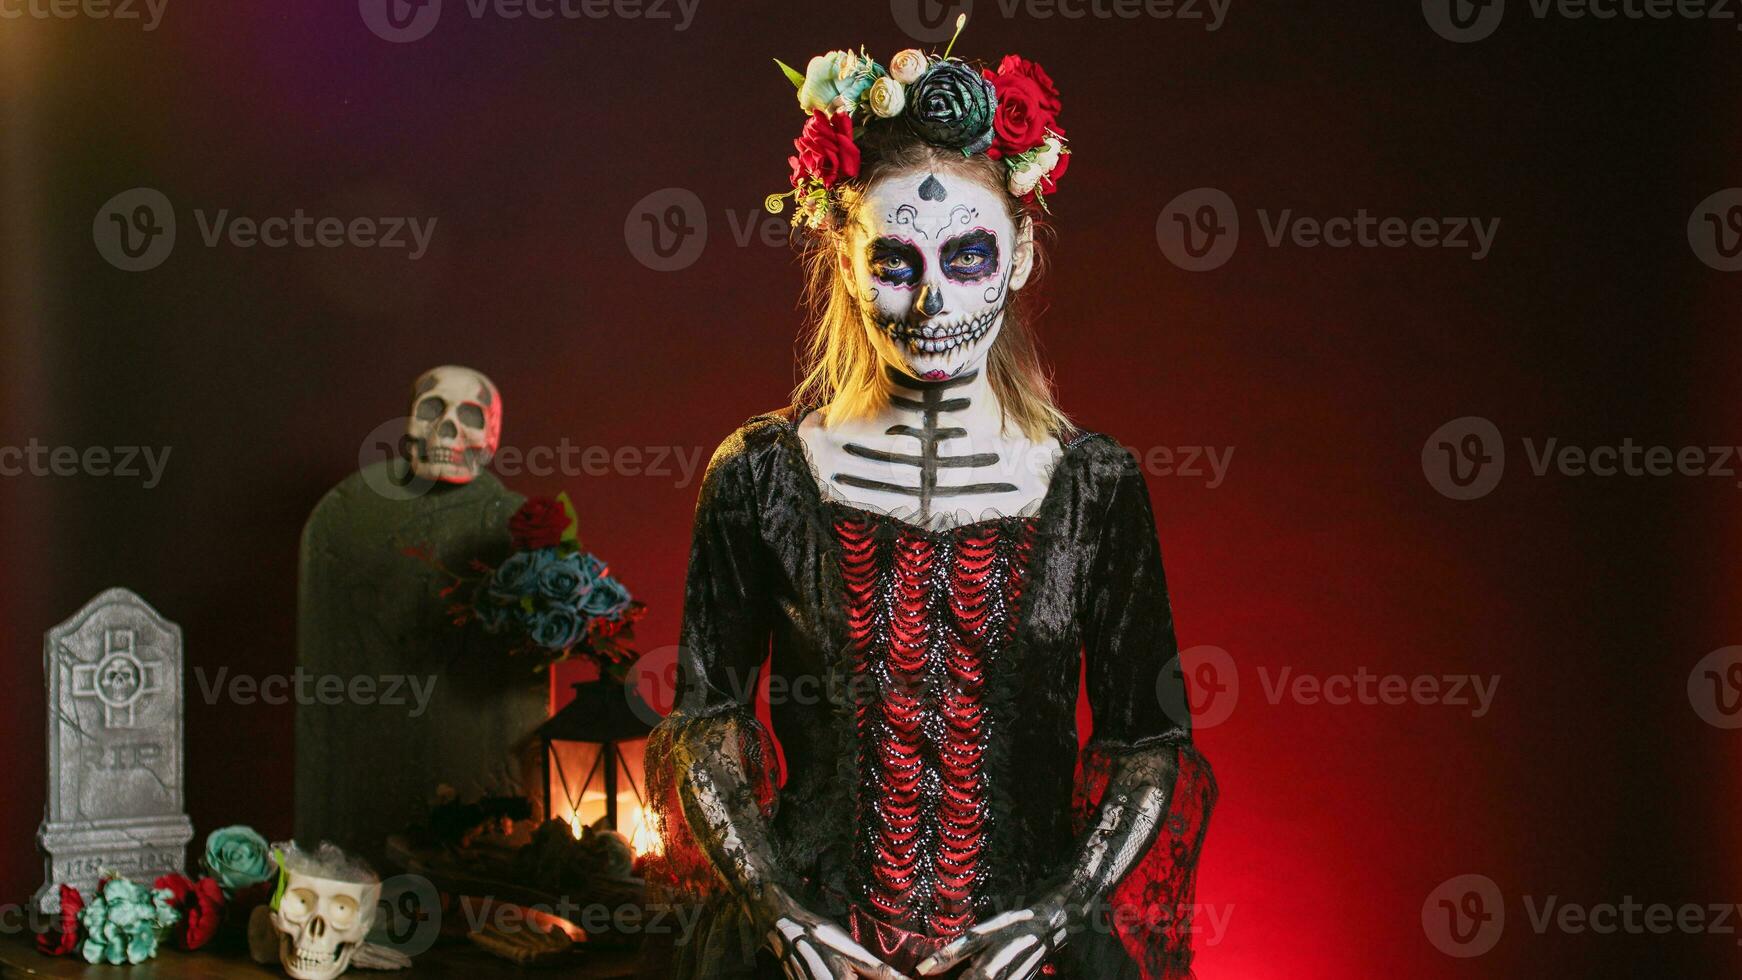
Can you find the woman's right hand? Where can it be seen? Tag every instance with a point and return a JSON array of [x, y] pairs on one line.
[[811, 947]]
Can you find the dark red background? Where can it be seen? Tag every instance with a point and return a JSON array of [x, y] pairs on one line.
[[1325, 550]]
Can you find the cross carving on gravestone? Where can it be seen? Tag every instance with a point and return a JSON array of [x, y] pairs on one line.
[[117, 681]]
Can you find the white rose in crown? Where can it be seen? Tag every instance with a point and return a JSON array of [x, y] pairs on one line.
[[907, 66], [887, 97], [1027, 170]]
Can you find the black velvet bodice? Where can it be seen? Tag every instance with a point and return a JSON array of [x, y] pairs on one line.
[[766, 585]]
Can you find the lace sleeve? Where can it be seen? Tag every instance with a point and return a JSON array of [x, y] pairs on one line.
[[724, 642], [1137, 697]]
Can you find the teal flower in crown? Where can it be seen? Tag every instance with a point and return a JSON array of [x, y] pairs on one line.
[[835, 82]]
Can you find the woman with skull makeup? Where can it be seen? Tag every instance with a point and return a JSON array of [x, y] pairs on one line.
[[928, 557]]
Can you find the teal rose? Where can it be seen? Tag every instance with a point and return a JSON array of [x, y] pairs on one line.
[[238, 857], [834, 82], [556, 628], [562, 579], [518, 575], [607, 598], [953, 107]]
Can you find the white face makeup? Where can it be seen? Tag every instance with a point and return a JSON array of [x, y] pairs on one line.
[[935, 258]]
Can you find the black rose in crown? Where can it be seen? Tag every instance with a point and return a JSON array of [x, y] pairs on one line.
[[952, 106]]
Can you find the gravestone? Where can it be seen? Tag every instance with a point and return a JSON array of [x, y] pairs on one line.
[[114, 675], [367, 609]]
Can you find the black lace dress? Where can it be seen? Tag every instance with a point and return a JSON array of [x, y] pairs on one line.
[[922, 684]]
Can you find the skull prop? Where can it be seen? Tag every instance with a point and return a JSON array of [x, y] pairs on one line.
[[327, 907], [455, 424]]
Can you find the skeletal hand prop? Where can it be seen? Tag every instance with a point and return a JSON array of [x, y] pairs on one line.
[[724, 818], [1014, 945]]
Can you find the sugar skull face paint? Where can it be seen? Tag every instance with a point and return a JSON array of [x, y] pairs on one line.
[[935, 259]]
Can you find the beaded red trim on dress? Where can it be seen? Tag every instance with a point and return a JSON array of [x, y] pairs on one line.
[[929, 613]]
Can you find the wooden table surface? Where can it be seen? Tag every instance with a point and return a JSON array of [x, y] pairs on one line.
[[459, 961]]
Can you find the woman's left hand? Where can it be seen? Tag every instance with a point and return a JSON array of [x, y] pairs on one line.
[[1011, 946]]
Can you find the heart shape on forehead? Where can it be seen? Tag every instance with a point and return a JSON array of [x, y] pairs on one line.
[[932, 189]]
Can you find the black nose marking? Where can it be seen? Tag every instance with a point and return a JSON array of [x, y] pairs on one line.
[[931, 302]]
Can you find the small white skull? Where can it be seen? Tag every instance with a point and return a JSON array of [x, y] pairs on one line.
[[455, 424], [327, 907]]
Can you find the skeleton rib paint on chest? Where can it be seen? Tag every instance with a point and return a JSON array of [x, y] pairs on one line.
[[934, 400], [938, 450]]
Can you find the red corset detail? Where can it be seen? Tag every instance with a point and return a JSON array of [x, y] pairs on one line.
[[929, 613]]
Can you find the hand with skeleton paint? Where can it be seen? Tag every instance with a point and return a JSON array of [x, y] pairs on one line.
[[1014, 945], [725, 820]]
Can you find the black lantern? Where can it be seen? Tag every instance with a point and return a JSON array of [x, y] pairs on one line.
[[605, 713]]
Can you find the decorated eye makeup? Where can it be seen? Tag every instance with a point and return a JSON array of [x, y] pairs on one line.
[[970, 257], [896, 262]]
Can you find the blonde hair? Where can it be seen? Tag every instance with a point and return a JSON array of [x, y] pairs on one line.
[[841, 374]]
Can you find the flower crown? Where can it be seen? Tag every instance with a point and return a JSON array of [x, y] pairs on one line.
[[1009, 115]]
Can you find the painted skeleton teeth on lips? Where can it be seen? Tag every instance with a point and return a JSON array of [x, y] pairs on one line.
[[941, 338]]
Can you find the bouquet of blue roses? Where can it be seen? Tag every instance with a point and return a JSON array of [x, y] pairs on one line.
[[559, 599]]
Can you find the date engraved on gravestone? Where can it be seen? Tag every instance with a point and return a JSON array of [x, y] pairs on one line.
[[114, 676]]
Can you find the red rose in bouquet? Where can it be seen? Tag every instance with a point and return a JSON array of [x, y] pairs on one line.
[[201, 904], [1028, 105], [826, 151], [64, 937], [540, 523]]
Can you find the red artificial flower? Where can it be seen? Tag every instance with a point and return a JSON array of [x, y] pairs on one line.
[[826, 151], [64, 937], [540, 523], [201, 904], [1028, 106], [240, 907], [1015, 64]]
